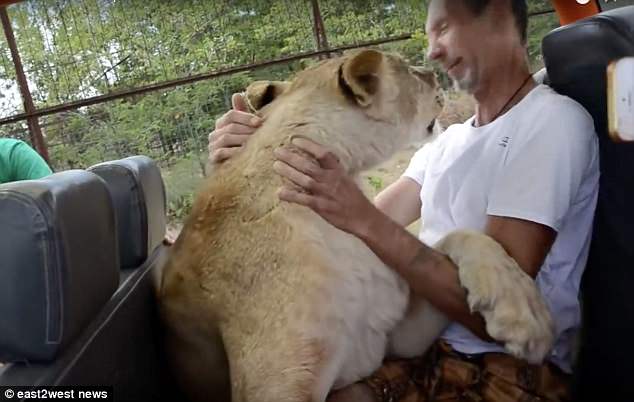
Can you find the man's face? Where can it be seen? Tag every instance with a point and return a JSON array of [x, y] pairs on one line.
[[459, 42]]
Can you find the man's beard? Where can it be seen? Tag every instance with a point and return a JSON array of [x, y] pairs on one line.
[[465, 84]]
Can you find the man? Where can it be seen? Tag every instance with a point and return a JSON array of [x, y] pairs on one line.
[[523, 170], [18, 161]]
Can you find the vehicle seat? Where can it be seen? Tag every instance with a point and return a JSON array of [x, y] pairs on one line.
[[576, 57], [51, 282], [110, 333], [138, 193]]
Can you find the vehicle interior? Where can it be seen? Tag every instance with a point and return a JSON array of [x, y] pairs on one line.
[[81, 251]]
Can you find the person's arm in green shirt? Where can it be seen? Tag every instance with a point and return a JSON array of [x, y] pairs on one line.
[[29, 164], [22, 162]]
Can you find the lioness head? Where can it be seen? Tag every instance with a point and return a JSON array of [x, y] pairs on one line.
[[365, 105]]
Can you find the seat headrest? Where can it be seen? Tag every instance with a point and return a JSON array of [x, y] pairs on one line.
[[58, 261], [137, 190], [577, 55]]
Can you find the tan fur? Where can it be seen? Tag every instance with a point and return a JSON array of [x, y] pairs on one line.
[[514, 311], [290, 304]]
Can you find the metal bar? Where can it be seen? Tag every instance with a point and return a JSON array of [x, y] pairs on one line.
[[318, 30], [32, 120], [192, 78], [540, 12]]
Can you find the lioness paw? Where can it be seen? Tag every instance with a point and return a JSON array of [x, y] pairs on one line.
[[507, 297]]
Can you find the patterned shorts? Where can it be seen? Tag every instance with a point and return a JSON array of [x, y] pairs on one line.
[[444, 374]]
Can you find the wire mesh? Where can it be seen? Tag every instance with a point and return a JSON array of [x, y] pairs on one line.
[[74, 49], [78, 49]]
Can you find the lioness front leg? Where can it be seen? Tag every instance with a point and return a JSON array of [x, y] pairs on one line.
[[508, 299]]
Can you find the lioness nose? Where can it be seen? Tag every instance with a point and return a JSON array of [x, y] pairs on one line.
[[440, 100], [426, 75]]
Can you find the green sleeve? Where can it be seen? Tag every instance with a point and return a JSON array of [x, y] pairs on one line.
[[26, 163]]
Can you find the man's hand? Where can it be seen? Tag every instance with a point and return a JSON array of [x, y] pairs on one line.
[[232, 131], [330, 192]]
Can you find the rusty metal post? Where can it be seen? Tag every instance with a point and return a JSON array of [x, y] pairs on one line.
[[318, 30], [33, 122]]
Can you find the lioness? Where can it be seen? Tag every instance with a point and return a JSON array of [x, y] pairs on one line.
[[291, 306]]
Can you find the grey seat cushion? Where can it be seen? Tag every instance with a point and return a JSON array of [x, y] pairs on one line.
[[138, 194], [59, 262]]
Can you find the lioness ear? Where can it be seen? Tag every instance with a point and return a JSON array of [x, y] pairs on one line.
[[361, 76], [261, 93], [427, 76]]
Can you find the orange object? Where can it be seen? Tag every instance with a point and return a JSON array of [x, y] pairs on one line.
[[572, 10]]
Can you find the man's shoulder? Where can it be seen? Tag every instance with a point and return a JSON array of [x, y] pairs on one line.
[[455, 130], [556, 118], [548, 104], [559, 126]]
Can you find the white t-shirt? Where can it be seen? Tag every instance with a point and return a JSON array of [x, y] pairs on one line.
[[538, 162]]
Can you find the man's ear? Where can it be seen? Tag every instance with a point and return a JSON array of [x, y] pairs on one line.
[[261, 93], [361, 76]]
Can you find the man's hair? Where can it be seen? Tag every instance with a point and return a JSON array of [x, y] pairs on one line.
[[518, 8]]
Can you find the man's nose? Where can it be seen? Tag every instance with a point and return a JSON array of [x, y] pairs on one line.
[[434, 52]]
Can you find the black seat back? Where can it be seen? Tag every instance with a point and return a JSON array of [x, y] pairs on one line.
[[576, 58]]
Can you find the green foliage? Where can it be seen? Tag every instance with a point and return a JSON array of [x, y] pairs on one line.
[[376, 183], [539, 26], [179, 209], [182, 179]]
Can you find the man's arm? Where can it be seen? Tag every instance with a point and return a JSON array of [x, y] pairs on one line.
[[527, 242], [400, 201], [335, 196], [433, 276]]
